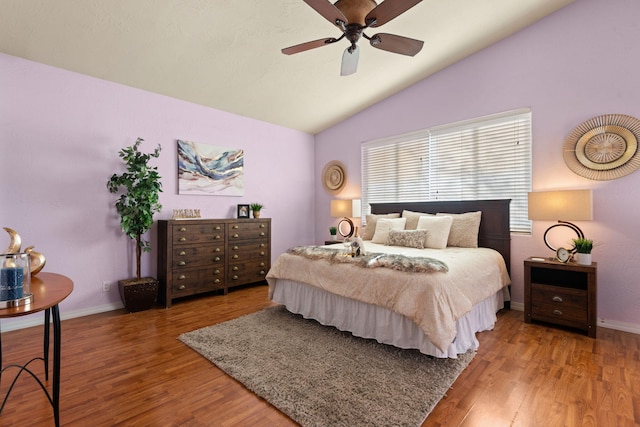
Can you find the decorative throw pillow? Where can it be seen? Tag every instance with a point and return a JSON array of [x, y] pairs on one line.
[[464, 229], [408, 238], [438, 230], [384, 225], [412, 219], [372, 219]]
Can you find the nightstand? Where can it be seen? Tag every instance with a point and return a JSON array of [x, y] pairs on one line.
[[561, 294]]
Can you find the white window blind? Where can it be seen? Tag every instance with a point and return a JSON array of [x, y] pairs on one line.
[[485, 158]]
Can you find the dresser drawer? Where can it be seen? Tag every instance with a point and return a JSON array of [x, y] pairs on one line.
[[248, 272], [192, 281], [248, 230], [559, 305], [188, 234], [247, 251], [197, 256]]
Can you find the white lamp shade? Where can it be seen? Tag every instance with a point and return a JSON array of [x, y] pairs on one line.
[[346, 208], [568, 205]]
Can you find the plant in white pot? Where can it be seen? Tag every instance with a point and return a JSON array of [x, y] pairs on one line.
[[138, 201], [333, 231], [583, 250]]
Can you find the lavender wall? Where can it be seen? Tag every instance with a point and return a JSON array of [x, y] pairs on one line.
[[60, 134], [578, 63]]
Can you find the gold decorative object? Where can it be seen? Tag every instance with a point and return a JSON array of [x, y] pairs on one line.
[[604, 147], [186, 213], [334, 177], [36, 259]]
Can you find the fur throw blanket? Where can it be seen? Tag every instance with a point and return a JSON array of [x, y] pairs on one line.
[[372, 260]]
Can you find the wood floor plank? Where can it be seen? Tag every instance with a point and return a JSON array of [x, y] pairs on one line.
[[126, 369]]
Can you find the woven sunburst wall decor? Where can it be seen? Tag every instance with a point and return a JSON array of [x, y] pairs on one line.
[[604, 147]]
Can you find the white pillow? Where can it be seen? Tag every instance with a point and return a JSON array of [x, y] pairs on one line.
[[372, 219], [464, 229], [438, 230], [384, 225]]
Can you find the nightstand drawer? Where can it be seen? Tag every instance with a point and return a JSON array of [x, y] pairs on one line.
[[556, 296]]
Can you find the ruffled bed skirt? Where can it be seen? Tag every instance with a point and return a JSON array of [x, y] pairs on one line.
[[369, 321]]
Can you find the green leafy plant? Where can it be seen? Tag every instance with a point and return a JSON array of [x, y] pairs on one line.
[[583, 246], [256, 207], [333, 230], [140, 198]]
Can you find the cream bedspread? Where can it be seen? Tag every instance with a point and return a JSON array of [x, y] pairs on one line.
[[434, 301]]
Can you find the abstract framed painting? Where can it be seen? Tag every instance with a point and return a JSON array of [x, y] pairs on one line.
[[210, 170]]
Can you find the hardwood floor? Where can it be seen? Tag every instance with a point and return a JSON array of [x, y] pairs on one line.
[[122, 369]]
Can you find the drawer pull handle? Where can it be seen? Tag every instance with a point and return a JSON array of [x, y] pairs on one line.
[[235, 227], [183, 229], [262, 272], [235, 248], [557, 312], [235, 257], [217, 237], [182, 287], [216, 281], [182, 263], [217, 249], [235, 268], [217, 227], [182, 253], [183, 239], [216, 271], [235, 236], [262, 264], [261, 225], [217, 259], [235, 277], [557, 299], [262, 234], [182, 277], [262, 245], [261, 253]]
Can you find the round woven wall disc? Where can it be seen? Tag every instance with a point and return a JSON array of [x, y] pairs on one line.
[[333, 177], [604, 147]]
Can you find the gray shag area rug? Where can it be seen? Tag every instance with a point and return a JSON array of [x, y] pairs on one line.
[[320, 376]]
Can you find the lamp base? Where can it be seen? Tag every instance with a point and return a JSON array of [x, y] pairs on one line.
[[350, 229], [563, 224]]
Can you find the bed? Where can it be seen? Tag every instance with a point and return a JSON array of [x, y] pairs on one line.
[[433, 300]]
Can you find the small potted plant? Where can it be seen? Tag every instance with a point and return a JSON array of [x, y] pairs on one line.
[[583, 250], [137, 203], [256, 208], [333, 231]]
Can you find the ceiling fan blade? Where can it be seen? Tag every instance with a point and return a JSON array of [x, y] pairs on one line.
[[350, 60], [328, 10], [307, 46], [388, 10], [396, 44]]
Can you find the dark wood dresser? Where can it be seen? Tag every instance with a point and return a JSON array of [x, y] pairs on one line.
[[561, 293], [202, 255]]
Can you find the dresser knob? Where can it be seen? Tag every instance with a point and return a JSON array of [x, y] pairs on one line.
[[218, 237], [182, 253], [216, 272], [235, 227], [235, 257], [262, 234], [217, 249], [262, 272], [261, 253], [262, 264], [235, 236], [216, 281], [262, 245], [217, 227], [217, 259], [557, 299], [235, 278], [235, 268], [183, 239], [182, 277], [261, 225], [235, 248], [557, 312], [182, 287], [182, 263], [183, 229]]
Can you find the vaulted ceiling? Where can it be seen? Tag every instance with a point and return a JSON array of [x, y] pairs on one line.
[[226, 54]]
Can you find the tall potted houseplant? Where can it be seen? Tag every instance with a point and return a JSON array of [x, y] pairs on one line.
[[140, 187]]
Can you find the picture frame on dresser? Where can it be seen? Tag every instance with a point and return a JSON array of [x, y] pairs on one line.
[[243, 211]]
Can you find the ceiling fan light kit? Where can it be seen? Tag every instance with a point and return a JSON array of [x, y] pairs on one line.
[[352, 17]]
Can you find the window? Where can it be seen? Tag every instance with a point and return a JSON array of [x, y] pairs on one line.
[[484, 158]]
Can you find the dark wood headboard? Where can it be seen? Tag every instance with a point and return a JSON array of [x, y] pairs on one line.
[[494, 224]]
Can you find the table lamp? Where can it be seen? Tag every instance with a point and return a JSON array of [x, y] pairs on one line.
[[574, 205], [347, 209]]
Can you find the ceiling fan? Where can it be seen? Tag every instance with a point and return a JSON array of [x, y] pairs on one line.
[[353, 17]]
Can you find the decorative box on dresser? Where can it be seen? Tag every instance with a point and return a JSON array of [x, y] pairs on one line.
[[561, 293], [202, 255]]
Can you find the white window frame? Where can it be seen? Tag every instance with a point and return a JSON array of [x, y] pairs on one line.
[[479, 159]]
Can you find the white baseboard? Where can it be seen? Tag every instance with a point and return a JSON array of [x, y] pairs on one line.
[[29, 321], [604, 323]]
